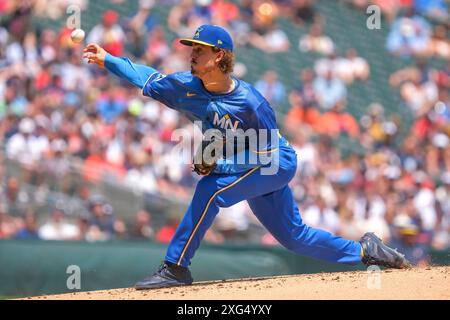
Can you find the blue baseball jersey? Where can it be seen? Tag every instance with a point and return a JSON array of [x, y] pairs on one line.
[[243, 108]]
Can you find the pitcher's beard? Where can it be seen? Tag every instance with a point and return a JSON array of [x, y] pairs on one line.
[[202, 73], [195, 71]]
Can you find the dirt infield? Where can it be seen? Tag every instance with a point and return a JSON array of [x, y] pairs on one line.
[[417, 283]]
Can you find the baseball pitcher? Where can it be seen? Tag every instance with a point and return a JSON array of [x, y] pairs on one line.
[[210, 94]]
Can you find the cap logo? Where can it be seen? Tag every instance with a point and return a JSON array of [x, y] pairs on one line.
[[197, 34], [219, 41]]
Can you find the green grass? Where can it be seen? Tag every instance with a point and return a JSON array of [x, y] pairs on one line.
[[10, 297]]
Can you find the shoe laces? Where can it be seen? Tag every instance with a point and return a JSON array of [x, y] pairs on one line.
[[162, 266]]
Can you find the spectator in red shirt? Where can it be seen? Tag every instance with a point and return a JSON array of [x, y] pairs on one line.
[[166, 233], [301, 114], [109, 34], [336, 122]]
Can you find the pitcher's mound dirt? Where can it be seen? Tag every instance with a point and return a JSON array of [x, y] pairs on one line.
[[417, 283]]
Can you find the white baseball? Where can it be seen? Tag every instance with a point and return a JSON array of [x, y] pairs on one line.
[[77, 35]]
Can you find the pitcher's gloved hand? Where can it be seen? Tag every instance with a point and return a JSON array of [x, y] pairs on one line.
[[206, 156], [204, 169]]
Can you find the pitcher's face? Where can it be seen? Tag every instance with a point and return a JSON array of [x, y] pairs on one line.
[[203, 59]]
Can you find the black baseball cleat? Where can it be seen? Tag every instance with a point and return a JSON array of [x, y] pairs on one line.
[[168, 275], [375, 252]]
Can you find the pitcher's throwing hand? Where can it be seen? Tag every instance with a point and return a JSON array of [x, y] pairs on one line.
[[95, 54]]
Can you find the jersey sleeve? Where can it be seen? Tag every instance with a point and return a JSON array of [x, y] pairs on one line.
[[164, 88], [125, 69]]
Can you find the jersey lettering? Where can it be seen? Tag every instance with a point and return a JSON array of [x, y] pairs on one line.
[[225, 122]]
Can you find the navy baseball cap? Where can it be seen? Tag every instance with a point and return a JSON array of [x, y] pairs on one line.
[[211, 35]]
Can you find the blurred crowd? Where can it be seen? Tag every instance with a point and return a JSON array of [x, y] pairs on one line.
[[59, 115], [18, 220]]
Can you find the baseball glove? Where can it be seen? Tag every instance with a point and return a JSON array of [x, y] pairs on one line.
[[207, 155], [204, 169]]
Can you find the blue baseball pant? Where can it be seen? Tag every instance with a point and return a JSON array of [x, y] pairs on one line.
[[271, 200]]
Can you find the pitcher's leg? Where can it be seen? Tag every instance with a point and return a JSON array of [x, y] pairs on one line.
[[198, 218], [279, 213], [211, 193]]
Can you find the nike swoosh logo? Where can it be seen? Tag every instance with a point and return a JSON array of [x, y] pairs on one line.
[[190, 94]]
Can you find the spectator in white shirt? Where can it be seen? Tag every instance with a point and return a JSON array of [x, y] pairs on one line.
[[315, 41], [273, 40], [24, 146], [57, 228], [320, 215]]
